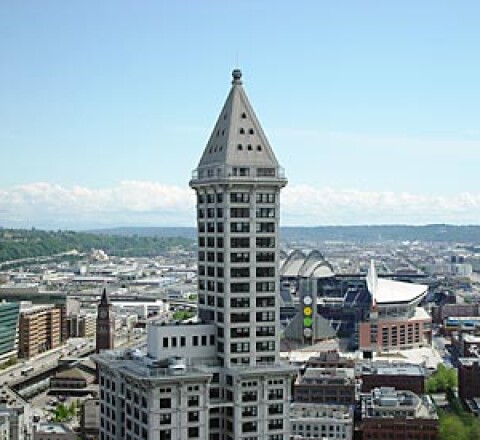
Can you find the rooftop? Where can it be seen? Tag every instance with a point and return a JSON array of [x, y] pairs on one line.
[[387, 402], [386, 291], [52, 428], [391, 369]]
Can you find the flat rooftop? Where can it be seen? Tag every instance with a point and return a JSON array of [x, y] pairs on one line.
[[52, 428], [394, 369]]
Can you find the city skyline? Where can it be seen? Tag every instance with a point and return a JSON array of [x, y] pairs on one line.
[[372, 109]]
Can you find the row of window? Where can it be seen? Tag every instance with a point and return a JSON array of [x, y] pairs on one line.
[[212, 286], [236, 213], [181, 341], [237, 257]]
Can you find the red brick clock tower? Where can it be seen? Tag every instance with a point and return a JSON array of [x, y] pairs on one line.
[[105, 324]]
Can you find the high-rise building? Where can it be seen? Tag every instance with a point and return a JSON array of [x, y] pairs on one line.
[[220, 378], [238, 182]]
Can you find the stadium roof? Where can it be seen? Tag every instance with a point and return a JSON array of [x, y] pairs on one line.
[[385, 291]]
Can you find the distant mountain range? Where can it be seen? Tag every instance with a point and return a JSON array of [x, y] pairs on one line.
[[375, 233]]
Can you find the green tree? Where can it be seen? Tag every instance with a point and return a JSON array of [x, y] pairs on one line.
[[451, 428]]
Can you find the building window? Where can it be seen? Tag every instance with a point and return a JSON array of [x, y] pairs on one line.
[[193, 401], [266, 286], [240, 257], [238, 227], [265, 227], [239, 212], [239, 303], [165, 403], [243, 242], [240, 317], [165, 434], [239, 272], [240, 287], [265, 316], [265, 302], [265, 212], [239, 197], [265, 242], [265, 257], [265, 197], [265, 272]]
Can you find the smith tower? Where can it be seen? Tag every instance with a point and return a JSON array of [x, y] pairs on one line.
[[219, 378], [238, 182]]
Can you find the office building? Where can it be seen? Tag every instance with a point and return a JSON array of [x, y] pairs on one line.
[[9, 316], [81, 325], [39, 329], [219, 378]]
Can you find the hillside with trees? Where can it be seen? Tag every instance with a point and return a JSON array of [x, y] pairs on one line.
[[21, 243]]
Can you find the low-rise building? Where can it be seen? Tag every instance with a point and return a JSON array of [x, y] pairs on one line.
[[325, 385], [330, 359], [409, 377], [72, 379], [388, 413], [53, 431], [318, 421], [90, 419]]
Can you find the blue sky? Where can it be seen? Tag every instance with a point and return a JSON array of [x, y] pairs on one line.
[[372, 107]]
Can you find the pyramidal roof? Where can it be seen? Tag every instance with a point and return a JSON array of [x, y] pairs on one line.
[[104, 298], [238, 138]]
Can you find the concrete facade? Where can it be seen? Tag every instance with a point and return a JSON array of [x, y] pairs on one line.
[[221, 378], [325, 422]]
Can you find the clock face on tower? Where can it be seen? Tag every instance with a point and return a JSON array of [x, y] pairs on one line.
[[103, 314]]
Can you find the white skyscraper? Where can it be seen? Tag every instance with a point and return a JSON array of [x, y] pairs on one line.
[[221, 378]]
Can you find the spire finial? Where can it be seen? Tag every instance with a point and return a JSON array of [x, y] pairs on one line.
[[237, 76]]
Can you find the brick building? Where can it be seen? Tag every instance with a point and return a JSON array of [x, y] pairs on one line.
[[469, 383], [325, 385], [408, 377], [400, 415], [39, 329]]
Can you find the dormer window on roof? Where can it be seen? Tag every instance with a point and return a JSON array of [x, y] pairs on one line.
[[249, 147], [239, 147], [242, 131], [251, 131], [244, 115]]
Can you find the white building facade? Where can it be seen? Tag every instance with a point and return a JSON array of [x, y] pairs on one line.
[[221, 378]]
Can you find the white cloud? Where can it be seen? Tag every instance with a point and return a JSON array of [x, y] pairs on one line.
[[154, 204]]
